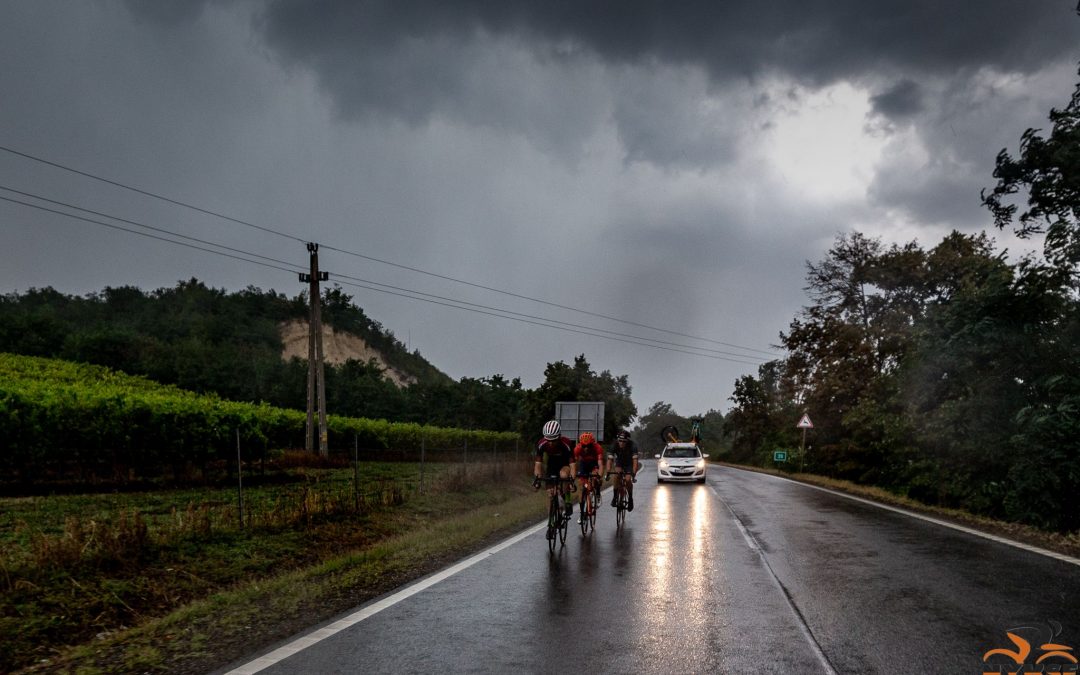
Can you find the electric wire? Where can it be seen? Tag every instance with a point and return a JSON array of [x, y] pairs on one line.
[[417, 270], [538, 300], [338, 276], [135, 223], [546, 325], [147, 193], [146, 234], [296, 269]]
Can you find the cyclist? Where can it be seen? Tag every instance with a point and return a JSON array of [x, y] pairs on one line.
[[589, 459], [560, 458], [624, 464]]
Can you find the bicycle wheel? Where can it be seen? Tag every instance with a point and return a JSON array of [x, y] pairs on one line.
[[620, 507], [592, 515], [553, 522], [583, 517], [564, 524]]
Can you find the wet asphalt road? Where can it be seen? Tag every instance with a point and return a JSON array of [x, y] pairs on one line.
[[748, 573]]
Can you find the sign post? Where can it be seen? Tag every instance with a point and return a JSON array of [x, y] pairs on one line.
[[804, 424]]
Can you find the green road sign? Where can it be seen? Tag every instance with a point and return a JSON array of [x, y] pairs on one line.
[[779, 456]]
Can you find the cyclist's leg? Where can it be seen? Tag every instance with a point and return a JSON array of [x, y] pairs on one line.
[[617, 470], [564, 472], [629, 482]]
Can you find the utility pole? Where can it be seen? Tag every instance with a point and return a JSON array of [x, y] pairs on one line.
[[316, 383]]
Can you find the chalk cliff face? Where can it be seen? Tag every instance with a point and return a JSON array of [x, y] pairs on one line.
[[338, 347]]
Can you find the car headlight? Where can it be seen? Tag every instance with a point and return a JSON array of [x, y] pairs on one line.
[[663, 464], [700, 465]]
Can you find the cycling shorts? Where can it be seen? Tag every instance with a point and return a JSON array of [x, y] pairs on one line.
[[624, 463]]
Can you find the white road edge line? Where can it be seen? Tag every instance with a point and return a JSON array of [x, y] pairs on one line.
[[944, 523], [305, 641]]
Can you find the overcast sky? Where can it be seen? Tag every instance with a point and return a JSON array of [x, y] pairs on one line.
[[671, 165]]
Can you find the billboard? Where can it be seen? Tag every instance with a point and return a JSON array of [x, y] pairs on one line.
[[576, 417]]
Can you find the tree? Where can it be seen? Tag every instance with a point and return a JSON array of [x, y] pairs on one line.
[[578, 382], [1048, 169], [763, 416], [647, 431]]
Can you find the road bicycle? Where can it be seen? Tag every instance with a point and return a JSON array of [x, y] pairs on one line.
[[590, 504], [622, 498], [558, 520]]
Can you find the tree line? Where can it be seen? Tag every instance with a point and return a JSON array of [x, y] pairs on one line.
[[207, 340], [950, 374]]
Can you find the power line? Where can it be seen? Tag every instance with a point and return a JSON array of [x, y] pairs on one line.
[[380, 260], [543, 302], [338, 275], [132, 222], [295, 270], [152, 194], [451, 303], [545, 325]]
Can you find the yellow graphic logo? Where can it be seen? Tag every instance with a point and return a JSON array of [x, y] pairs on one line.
[[1053, 658]]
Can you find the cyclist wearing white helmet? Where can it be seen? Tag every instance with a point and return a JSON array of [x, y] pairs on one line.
[[560, 456]]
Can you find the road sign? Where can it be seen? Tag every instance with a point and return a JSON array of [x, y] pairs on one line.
[[804, 422], [578, 416], [779, 456]]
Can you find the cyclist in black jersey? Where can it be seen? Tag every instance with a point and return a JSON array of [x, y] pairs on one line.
[[624, 463]]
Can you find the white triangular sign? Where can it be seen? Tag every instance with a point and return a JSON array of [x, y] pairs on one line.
[[804, 422]]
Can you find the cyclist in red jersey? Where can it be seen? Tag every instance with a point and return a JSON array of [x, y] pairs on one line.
[[559, 451], [589, 458]]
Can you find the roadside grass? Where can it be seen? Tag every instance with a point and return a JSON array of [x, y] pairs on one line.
[[85, 576], [1067, 544]]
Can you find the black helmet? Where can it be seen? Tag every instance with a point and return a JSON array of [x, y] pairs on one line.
[[622, 436]]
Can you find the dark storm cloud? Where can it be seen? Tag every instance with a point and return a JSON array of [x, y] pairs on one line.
[[901, 101], [812, 41]]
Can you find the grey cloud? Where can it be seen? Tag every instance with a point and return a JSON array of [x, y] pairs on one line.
[[730, 39], [901, 101], [469, 60], [170, 13]]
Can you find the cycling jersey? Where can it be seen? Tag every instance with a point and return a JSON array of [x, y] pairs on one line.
[[624, 455], [559, 453], [593, 452]]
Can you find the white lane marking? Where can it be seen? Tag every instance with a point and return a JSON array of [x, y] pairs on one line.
[[944, 523], [800, 621], [302, 643]]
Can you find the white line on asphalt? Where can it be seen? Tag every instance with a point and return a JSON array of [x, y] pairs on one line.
[[302, 643], [944, 523]]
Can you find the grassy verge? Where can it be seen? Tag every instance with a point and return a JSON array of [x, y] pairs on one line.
[[132, 583], [1067, 544]]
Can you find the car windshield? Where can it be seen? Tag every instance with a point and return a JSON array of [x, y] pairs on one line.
[[680, 453]]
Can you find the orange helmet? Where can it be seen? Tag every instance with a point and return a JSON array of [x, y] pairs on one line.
[[586, 438]]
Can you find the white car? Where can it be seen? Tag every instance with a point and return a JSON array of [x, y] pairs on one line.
[[680, 462]]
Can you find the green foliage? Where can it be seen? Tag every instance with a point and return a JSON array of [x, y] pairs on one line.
[[1048, 170], [763, 417], [208, 341], [52, 411], [578, 382]]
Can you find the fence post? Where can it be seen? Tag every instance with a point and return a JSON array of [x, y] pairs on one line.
[[356, 473], [423, 447], [239, 481]]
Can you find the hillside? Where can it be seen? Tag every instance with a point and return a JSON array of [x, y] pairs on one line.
[[251, 346], [338, 347]]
